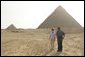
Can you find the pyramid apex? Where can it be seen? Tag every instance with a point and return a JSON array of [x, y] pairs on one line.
[[12, 24], [59, 6], [11, 27]]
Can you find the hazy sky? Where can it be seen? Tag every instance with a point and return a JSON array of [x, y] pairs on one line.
[[30, 14]]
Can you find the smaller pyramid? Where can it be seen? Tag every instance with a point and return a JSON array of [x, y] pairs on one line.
[[11, 27]]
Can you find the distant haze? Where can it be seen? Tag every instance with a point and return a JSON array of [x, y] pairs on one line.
[[30, 14]]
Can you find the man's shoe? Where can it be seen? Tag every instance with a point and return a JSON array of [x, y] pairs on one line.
[[59, 51]]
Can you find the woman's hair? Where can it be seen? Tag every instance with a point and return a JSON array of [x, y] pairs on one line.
[[52, 29]]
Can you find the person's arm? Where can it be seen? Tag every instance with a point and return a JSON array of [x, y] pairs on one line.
[[56, 35], [50, 36], [63, 35]]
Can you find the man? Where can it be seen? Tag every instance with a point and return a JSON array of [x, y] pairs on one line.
[[60, 35], [52, 38]]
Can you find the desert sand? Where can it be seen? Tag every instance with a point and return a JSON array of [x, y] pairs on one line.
[[35, 42]]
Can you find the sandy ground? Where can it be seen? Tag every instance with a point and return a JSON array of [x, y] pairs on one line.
[[36, 43]]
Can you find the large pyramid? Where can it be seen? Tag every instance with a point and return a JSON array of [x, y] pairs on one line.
[[60, 18], [11, 27]]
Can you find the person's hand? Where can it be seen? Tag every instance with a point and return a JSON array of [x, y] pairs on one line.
[[54, 39], [63, 36]]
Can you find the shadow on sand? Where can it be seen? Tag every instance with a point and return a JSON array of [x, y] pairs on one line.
[[47, 52], [57, 54], [54, 54]]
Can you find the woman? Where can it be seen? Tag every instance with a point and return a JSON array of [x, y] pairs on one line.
[[52, 38]]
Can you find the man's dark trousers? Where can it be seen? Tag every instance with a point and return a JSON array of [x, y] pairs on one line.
[[59, 41]]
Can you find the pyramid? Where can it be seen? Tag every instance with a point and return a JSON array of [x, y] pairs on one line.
[[60, 18], [11, 27]]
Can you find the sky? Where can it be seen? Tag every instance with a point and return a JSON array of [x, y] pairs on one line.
[[30, 14]]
